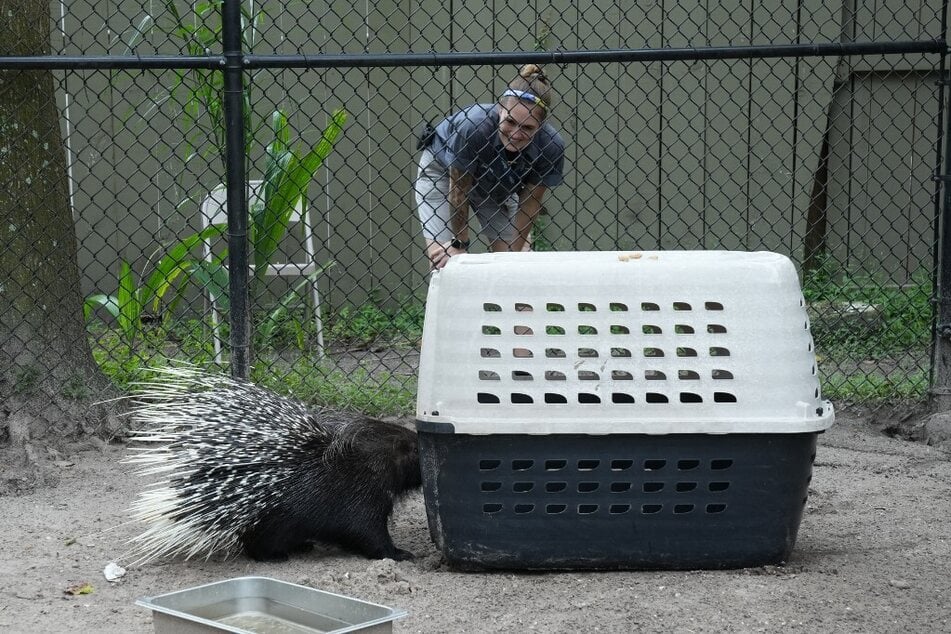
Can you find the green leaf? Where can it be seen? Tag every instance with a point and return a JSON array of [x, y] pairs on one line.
[[281, 197], [206, 39], [275, 168], [211, 277], [175, 261], [292, 181], [109, 302], [171, 8], [316, 156], [248, 122], [282, 133]]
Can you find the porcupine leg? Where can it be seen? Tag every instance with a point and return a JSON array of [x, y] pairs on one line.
[[375, 542], [268, 550], [364, 531], [367, 531], [265, 550], [275, 542], [371, 539]]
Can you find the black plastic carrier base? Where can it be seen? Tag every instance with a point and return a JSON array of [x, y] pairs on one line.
[[620, 501]]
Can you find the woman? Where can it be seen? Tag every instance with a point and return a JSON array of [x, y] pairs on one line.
[[497, 160]]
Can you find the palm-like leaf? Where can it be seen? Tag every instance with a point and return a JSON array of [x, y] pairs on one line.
[[285, 183]]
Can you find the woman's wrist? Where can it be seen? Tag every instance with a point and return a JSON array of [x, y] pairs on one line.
[[456, 243]]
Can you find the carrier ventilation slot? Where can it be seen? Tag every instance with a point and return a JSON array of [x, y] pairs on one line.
[[627, 345], [493, 508], [665, 487], [610, 398]]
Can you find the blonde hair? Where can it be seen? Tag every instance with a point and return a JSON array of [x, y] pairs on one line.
[[531, 84]]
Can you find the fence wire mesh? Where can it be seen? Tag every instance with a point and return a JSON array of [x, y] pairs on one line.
[[827, 159]]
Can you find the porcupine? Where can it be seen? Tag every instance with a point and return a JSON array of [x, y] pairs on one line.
[[247, 468]]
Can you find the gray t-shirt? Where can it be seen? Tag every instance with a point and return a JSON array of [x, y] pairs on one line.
[[469, 141]]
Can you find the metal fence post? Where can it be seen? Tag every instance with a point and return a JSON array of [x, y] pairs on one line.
[[240, 305], [941, 388], [941, 352]]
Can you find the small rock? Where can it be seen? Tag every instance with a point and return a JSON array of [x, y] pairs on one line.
[[404, 587], [899, 583], [937, 430]]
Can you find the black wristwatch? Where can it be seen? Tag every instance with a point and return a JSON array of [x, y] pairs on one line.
[[456, 243]]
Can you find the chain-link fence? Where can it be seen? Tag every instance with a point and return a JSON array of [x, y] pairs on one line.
[[810, 128]]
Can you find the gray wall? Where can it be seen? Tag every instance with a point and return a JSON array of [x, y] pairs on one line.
[[660, 155]]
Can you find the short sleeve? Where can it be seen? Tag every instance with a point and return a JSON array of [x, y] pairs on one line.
[[469, 139], [548, 168], [462, 149]]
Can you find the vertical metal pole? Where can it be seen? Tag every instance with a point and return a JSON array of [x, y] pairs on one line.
[[941, 386], [236, 177]]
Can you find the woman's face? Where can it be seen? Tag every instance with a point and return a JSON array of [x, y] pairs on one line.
[[518, 123]]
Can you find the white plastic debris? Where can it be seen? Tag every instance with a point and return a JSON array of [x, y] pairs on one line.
[[113, 572]]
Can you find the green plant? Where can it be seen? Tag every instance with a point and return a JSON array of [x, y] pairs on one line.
[[194, 101], [126, 364], [871, 388], [75, 387], [131, 300], [854, 347], [370, 393], [281, 315], [371, 322], [862, 325], [196, 94], [903, 314], [119, 361], [287, 174], [540, 240], [819, 283], [374, 393], [543, 30], [25, 379]]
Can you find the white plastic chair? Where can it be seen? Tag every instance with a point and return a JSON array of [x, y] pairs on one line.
[[214, 211]]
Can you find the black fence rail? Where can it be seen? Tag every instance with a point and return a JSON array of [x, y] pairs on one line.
[[235, 183]]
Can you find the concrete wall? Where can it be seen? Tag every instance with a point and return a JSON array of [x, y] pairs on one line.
[[661, 155]]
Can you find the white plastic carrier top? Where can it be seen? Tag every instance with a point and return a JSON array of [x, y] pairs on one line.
[[619, 342]]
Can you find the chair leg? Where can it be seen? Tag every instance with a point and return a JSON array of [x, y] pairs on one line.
[[318, 321], [215, 327], [212, 300]]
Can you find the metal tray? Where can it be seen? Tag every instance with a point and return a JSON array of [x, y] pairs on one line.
[[259, 605]]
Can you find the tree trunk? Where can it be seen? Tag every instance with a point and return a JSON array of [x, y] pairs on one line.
[[48, 378]]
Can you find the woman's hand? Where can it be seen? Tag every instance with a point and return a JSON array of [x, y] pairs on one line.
[[440, 252]]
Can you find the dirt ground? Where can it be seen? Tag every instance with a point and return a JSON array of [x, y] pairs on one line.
[[873, 555]]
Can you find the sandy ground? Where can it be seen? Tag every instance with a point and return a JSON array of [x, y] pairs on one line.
[[873, 555]]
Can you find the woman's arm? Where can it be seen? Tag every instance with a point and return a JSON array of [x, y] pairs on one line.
[[529, 206], [459, 185]]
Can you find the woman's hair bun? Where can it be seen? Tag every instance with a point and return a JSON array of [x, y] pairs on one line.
[[532, 71]]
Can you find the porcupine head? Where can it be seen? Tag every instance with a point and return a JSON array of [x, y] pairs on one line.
[[245, 468]]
